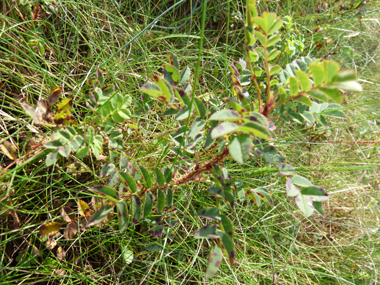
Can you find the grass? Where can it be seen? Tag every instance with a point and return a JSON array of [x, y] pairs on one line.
[[274, 243]]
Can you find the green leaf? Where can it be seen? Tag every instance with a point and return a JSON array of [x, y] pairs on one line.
[[185, 75], [258, 71], [318, 194], [269, 18], [286, 169], [333, 111], [173, 72], [293, 85], [317, 73], [122, 215], [250, 39], [196, 127], [148, 205], [109, 89], [51, 158], [353, 86], [304, 100], [209, 141], [210, 213], [318, 206], [173, 59], [106, 169], [153, 90], [273, 54], [227, 225], [100, 77], [225, 115], [75, 144], [252, 54], [164, 86], [263, 194], [275, 69], [116, 117], [156, 231], [53, 144], [169, 197], [334, 94], [160, 201], [301, 181], [332, 69], [128, 181], [291, 189], [124, 114], [303, 79], [117, 101], [295, 117], [223, 129], [64, 150], [127, 254], [100, 214], [82, 152], [240, 147], [183, 113], [346, 75], [272, 40], [305, 204], [308, 117], [154, 246], [206, 232], [147, 177], [262, 23], [277, 24], [123, 162], [90, 135], [127, 101], [256, 129], [214, 262], [236, 105], [228, 245], [159, 177], [136, 208], [216, 191], [105, 190], [200, 107], [317, 94]]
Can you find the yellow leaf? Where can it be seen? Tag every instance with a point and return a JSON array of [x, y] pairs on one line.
[[61, 254], [50, 229], [84, 208], [51, 243], [65, 105]]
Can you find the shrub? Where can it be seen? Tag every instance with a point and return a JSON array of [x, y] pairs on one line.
[[304, 91]]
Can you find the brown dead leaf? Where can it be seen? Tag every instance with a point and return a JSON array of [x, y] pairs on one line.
[[86, 223], [54, 95], [16, 219], [59, 271], [9, 150], [66, 213], [61, 254], [71, 230], [43, 112], [36, 250]]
